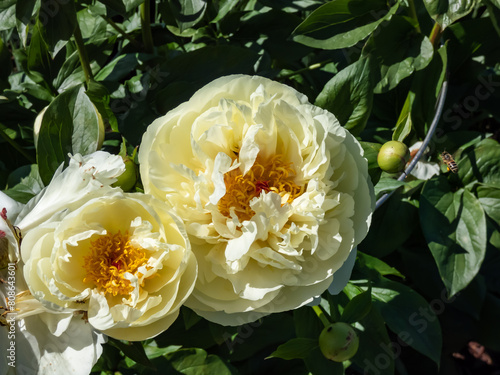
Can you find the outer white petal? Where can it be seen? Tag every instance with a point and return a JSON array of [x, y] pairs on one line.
[[13, 207], [84, 178], [40, 352], [343, 274]]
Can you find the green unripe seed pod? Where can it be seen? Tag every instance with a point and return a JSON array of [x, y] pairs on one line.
[[338, 342], [393, 156], [127, 179]]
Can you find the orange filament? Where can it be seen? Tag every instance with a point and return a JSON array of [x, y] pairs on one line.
[[111, 256], [273, 175]]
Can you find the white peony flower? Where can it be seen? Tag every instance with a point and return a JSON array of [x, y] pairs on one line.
[[94, 260], [35, 340], [121, 260], [274, 193]]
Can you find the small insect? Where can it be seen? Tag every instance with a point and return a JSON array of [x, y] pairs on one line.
[[449, 161]]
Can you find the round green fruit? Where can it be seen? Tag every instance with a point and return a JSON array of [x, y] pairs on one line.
[[338, 342], [393, 156], [127, 179]]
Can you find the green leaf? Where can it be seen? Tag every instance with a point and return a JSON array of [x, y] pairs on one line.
[[481, 164], [386, 185], [178, 78], [57, 20], [400, 50], [133, 350], [454, 226], [445, 12], [187, 13], [392, 224], [295, 348], [404, 124], [489, 197], [197, 362], [70, 125], [372, 263], [27, 187], [119, 68], [5, 61], [342, 23], [371, 150], [24, 13], [375, 355], [7, 14], [409, 316], [38, 54], [357, 308], [426, 85], [349, 95], [116, 5], [100, 97]]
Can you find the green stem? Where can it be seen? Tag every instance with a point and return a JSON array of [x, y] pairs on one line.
[[310, 67], [120, 31], [147, 37], [82, 52], [493, 19], [321, 315], [413, 13], [436, 35], [16, 146]]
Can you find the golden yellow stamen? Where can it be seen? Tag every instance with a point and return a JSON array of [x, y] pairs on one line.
[[273, 175], [110, 257]]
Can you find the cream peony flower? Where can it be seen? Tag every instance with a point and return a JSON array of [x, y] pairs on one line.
[[94, 260], [36, 340], [126, 266], [274, 193], [119, 259]]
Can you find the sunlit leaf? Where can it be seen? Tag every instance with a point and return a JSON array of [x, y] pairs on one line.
[[349, 95], [70, 125], [342, 23], [400, 50], [445, 12]]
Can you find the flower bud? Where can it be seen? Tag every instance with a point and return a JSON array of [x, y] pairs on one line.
[[338, 342], [393, 156], [127, 179]]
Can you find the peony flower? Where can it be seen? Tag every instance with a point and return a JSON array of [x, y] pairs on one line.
[[126, 266], [94, 260], [37, 340], [274, 193]]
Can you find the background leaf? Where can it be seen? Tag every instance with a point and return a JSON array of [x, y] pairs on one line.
[[445, 12], [400, 50], [295, 348], [69, 125], [459, 243], [342, 23], [349, 95]]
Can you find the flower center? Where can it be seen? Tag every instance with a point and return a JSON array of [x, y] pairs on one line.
[[111, 256], [273, 175]]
